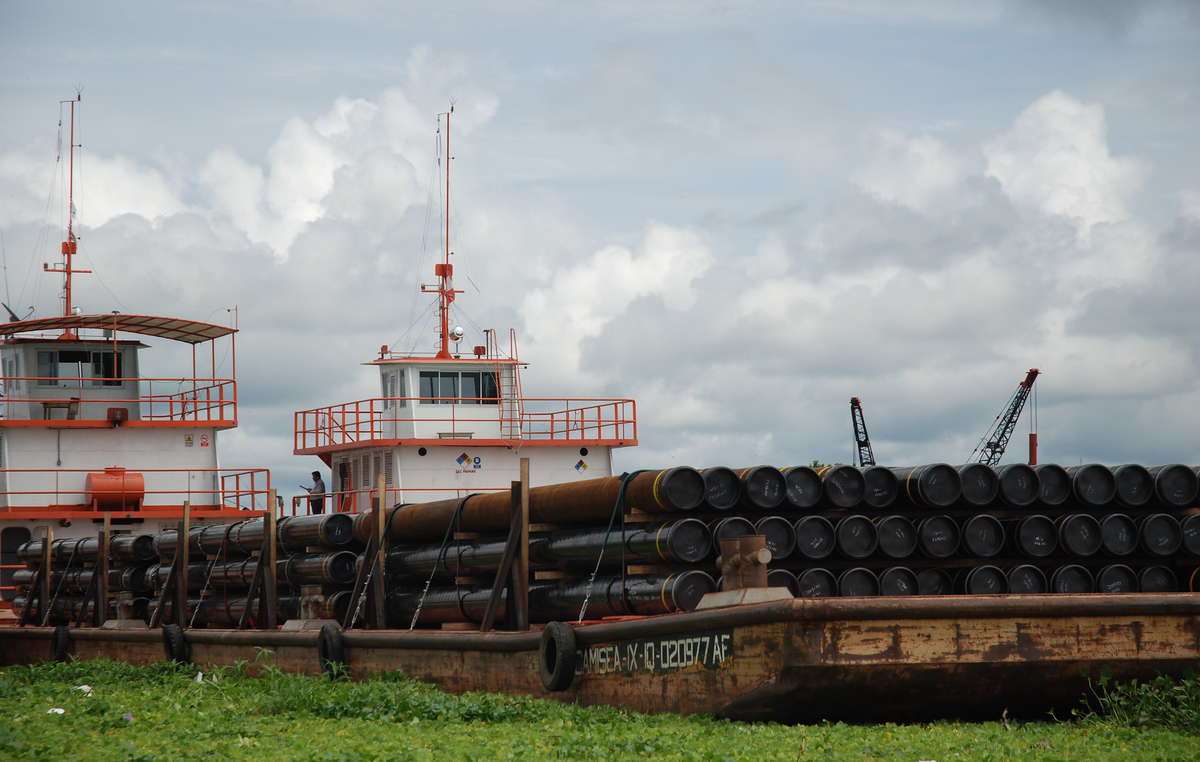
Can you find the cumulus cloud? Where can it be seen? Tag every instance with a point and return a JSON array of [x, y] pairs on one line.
[[1056, 160]]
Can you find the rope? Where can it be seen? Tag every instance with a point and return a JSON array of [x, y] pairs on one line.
[[618, 506], [454, 518], [208, 578], [62, 578]]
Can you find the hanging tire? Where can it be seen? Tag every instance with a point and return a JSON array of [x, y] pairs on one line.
[[556, 656], [60, 643], [331, 649], [175, 644]]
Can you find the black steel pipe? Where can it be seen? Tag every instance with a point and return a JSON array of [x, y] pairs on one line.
[[1190, 529], [858, 583], [1019, 484], [729, 528], [1026, 579], [881, 487], [1175, 486], [1093, 485], [1157, 579], [1118, 534], [983, 536], [334, 568], [722, 488], [129, 548], [1054, 484], [686, 541], [934, 581], [644, 594], [1035, 536], [589, 501], [856, 537], [1116, 578], [803, 487], [897, 580], [1135, 485], [763, 488], [897, 536], [785, 579], [1079, 534], [938, 536], [1072, 578], [1160, 534], [934, 485], [980, 484], [983, 580], [817, 583], [842, 486], [816, 538], [780, 535]]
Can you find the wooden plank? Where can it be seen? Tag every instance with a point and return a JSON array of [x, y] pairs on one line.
[[521, 583], [47, 574], [182, 551], [266, 562], [252, 594], [158, 617], [360, 582], [504, 573], [378, 610], [101, 612]]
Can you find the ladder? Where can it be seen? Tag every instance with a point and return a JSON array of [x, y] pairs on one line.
[[508, 386]]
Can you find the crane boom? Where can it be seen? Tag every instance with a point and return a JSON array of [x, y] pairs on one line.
[[994, 442], [866, 457]]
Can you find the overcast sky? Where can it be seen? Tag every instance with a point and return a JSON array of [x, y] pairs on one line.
[[739, 214]]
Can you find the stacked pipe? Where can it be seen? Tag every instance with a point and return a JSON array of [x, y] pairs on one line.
[[74, 566], [938, 529], [933, 529], [315, 552]]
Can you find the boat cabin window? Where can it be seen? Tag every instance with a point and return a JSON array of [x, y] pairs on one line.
[[465, 387], [393, 390], [75, 366]]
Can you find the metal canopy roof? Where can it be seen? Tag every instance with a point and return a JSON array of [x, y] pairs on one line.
[[176, 329]]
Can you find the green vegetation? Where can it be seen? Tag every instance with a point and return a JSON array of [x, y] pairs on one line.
[[165, 712], [1164, 702]]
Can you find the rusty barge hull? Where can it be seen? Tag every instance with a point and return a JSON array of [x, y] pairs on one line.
[[793, 660]]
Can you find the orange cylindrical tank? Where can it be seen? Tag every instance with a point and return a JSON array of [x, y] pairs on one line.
[[115, 488]]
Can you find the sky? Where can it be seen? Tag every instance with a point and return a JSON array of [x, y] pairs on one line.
[[737, 214]]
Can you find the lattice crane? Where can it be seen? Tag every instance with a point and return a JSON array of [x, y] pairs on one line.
[[994, 442], [866, 457]]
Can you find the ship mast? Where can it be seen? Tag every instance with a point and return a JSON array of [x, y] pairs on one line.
[[69, 246], [444, 270]]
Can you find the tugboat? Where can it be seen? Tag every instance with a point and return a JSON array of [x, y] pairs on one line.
[[87, 440], [447, 425]]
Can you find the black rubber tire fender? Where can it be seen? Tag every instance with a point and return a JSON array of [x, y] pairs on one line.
[[175, 644], [60, 643], [331, 649], [557, 656]]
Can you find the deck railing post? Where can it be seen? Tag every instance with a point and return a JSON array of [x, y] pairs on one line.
[[268, 557], [377, 582], [101, 612], [183, 551]]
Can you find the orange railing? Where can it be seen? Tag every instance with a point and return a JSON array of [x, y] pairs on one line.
[[174, 400], [355, 501], [62, 492], [540, 420]]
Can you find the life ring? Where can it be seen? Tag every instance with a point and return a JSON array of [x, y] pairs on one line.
[[60, 643], [331, 649], [175, 644], [557, 657]]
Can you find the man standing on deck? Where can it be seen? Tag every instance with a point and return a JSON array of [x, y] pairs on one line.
[[316, 494]]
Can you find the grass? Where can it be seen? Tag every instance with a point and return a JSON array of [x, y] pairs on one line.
[[162, 712]]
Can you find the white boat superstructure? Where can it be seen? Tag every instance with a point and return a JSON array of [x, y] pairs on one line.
[[448, 423]]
